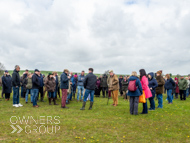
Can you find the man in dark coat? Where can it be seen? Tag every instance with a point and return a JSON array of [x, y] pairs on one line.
[[120, 85], [41, 88], [160, 88], [89, 85], [16, 86], [7, 85], [104, 85], [35, 87]]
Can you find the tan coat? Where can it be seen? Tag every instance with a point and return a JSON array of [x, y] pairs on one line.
[[113, 83]]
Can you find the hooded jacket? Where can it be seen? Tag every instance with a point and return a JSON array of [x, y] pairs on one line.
[[152, 84], [139, 91]]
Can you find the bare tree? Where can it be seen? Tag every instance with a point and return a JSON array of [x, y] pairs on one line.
[[2, 68]]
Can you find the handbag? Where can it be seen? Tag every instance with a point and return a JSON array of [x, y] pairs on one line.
[[142, 98]]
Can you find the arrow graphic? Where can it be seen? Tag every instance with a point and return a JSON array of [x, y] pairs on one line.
[[15, 129]]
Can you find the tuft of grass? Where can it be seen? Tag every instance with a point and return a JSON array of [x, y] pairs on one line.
[[104, 123]]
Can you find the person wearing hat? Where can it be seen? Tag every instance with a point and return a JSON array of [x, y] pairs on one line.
[[182, 87], [35, 87], [113, 84], [64, 85], [50, 85], [7, 86], [16, 86], [160, 88]]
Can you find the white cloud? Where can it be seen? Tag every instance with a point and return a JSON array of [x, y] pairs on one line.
[[122, 35]]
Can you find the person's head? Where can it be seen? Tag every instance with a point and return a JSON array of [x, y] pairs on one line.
[[158, 73], [111, 73], [97, 77], [125, 78], [29, 75], [182, 77], [26, 71], [149, 76], [66, 71], [82, 73], [71, 73], [50, 75], [142, 73], [187, 78], [6, 72], [17, 68], [90, 70], [36, 71], [168, 76], [54, 73], [120, 76], [134, 73]]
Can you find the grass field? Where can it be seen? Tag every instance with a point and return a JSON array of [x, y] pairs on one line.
[[105, 123]]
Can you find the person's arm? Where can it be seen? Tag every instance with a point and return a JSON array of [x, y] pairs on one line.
[[115, 81], [85, 81], [155, 84], [65, 78]]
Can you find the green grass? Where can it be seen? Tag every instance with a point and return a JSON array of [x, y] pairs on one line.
[[104, 123]]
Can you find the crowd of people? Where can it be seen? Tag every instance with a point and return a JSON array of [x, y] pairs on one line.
[[134, 89]]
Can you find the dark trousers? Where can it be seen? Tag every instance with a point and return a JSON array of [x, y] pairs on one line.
[[176, 95], [41, 93], [104, 91], [145, 108], [58, 91], [152, 103], [2, 92], [7, 95], [134, 102], [182, 94]]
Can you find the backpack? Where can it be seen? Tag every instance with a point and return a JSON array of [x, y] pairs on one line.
[[132, 86]]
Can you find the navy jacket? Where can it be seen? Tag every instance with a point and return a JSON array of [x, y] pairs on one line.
[[152, 84], [41, 79], [139, 91], [120, 84], [90, 81], [169, 84], [64, 81], [7, 84], [15, 78], [35, 81]]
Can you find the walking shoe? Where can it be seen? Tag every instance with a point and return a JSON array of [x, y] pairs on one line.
[[20, 105], [15, 105]]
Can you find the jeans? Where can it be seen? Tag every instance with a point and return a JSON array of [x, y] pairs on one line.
[[80, 89], [145, 108], [187, 92], [15, 95], [27, 92], [22, 96], [87, 92], [35, 96], [51, 94], [169, 93], [160, 100], [152, 103]]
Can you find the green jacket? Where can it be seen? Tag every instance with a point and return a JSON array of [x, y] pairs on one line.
[[29, 83], [182, 84]]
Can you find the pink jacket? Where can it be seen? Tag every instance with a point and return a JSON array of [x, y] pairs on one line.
[[144, 83]]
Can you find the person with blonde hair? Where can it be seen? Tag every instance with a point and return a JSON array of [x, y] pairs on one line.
[[113, 84]]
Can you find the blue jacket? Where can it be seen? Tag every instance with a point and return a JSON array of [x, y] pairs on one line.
[[169, 84], [41, 80], [7, 84], [152, 84], [35, 81], [73, 80], [138, 92], [64, 81], [80, 80]]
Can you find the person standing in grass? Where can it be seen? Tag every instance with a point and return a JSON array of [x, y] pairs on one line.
[[134, 94], [16, 86], [104, 85], [28, 87], [97, 88], [169, 86], [176, 88], [64, 80], [113, 83], [124, 83], [182, 88], [89, 85], [80, 86], [7, 85], [120, 85], [160, 89], [152, 85], [41, 88], [145, 88], [35, 87], [188, 85], [50, 85], [57, 83]]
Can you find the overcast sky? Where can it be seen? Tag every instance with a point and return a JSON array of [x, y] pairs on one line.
[[123, 35]]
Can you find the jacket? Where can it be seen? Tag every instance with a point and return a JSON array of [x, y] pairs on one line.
[[144, 83], [152, 83], [98, 84], [124, 85], [41, 80], [176, 87], [35, 81], [15, 79], [182, 84], [64, 81], [29, 83], [90, 81], [169, 84], [50, 84], [80, 80], [24, 83], [104, 81], [113, 83], [7, 84], [161, 82], [120, 84], [139, 91]]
